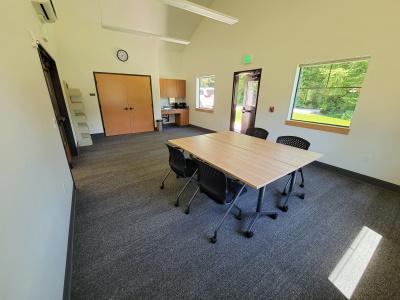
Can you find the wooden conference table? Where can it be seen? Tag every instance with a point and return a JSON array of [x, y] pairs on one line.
[[251, 160]]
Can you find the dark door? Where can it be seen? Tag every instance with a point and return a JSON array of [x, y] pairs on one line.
[[246, 85], [58, 103]]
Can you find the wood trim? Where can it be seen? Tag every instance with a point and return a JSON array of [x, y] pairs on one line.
[[209, 110], [329, 128]]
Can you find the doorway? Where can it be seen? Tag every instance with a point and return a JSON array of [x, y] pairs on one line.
[[126, 103], [246, 86], [57, 100]]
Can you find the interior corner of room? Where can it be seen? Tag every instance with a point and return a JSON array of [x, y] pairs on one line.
[[181, 149]]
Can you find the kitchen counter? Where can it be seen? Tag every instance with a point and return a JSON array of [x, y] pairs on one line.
[[181, 115]]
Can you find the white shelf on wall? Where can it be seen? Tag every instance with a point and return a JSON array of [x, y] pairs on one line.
[[75, 93], [78, 115]]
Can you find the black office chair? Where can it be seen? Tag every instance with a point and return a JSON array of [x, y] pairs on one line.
[[220, 188], [182, 167], [300, 143], [257, 132]]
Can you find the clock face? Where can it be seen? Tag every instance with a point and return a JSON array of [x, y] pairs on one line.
[[122, 55]]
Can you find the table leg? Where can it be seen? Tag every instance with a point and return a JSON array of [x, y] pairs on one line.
[[259, 213]]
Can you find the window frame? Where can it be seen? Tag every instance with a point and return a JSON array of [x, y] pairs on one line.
[[317, 125], [198, 107]]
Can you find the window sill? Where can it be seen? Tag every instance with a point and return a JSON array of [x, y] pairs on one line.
[[329, 128], [209, 110]]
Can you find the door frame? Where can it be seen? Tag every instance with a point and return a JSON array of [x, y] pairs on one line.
[[61, 104], [125, 74], [231, 122]]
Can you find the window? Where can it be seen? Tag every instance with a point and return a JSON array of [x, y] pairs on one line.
[[205, 92], [328, 93]]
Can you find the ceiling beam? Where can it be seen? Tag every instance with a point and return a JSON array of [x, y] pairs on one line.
[[202, 10], [146, 34]]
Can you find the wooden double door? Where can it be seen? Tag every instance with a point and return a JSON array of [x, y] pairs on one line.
[[125, 102]]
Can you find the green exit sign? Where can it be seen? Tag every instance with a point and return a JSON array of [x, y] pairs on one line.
[[247, 59]]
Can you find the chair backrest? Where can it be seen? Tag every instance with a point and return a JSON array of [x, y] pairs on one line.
[[293, 141], [177, 160], [257, 132], [212, 182]]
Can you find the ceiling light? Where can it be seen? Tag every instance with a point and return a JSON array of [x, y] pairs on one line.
[[147, 34], [202, 10]]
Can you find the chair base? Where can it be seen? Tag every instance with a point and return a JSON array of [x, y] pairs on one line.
[[283, 208], [212, 239], [271, 214], [248, 234], [291, 183]]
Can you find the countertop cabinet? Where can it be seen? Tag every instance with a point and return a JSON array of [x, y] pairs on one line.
[[181, 88], [172, 88], [181, 115]]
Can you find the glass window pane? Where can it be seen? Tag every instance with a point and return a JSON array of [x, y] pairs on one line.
[[314, 76], [251, 93], [348, 74], [334, 106], [206, 87], [328, 94]]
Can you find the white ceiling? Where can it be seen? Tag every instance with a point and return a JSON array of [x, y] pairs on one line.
[[151, 16]]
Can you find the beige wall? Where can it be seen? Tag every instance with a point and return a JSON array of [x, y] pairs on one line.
[[35, 181], [282, 34], [84, 47]]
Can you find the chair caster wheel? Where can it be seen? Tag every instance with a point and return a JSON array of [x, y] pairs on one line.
[[161, 187], [284, 208], [249, 234], [238, 217], [273, 216], [301, 185], [302, 196], [212, 239], [284, 194], [176, 204], [187, 211]]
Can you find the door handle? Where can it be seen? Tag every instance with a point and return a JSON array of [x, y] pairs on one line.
[[130, 108], [125, 108], [245, 111]]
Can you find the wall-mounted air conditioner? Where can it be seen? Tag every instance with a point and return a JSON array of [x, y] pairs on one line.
[[45, 10]]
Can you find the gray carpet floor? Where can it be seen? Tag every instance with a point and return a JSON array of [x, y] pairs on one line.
[[130, 242]]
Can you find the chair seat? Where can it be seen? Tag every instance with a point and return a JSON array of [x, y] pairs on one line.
[[234, 188]]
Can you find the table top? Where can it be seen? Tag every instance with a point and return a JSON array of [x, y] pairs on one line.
[[253, 161]]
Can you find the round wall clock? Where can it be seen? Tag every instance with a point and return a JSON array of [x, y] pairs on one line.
[[122, 55]]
